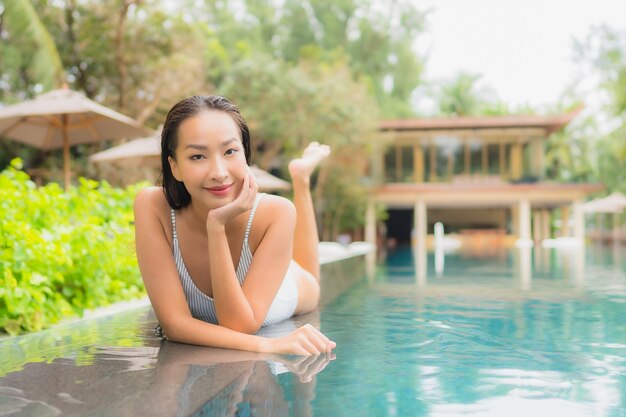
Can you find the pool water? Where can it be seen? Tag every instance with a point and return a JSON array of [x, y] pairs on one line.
[[484, 336], [525, 332]]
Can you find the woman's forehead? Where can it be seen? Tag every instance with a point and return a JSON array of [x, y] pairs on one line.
[[208, 125]]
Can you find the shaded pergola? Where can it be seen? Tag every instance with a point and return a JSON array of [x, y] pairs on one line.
[[451, 164]]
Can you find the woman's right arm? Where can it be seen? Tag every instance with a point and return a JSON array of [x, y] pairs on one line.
[[165, 291]]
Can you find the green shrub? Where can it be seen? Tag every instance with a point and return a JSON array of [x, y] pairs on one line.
[[62, 253]]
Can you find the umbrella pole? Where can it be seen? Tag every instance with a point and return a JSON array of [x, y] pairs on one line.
[[66, 154]]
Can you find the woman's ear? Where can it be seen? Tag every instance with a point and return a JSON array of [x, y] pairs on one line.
[[174, 168]]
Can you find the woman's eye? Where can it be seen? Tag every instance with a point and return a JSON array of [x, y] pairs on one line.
[[231, 151], [196, 157]]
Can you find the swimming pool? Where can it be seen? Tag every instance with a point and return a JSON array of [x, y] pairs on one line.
[[479, 338], [532, 332]]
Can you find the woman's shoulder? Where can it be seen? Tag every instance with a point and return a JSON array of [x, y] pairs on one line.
[[151, 199], [276, 206], [274, 209]]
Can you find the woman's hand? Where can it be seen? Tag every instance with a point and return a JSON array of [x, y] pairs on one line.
[[305, 340], [244, 202]]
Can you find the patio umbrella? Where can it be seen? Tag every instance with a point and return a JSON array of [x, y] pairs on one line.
[[614, 203], [146, 152], [64, 118]]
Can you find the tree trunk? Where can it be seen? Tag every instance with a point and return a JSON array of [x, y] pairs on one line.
[[76, 61], [119, 53]]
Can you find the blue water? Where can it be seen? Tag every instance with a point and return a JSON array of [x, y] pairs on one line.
[[477, 338], [532, 332]]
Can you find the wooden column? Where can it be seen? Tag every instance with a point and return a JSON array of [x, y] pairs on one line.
[[524, 223], [579, 221], [516, 161], [418, 164]]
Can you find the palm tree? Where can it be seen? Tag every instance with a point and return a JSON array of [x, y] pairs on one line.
[[461, 97], [22, 22]]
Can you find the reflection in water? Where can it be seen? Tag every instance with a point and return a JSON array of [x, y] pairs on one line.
[[522, 257], [137, 373]]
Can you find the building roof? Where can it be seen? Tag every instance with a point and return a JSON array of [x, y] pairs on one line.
[[549, 123], [540, 194]]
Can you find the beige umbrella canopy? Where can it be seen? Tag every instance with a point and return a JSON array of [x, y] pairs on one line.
[[146, 152], [614, 203], [64, 118]]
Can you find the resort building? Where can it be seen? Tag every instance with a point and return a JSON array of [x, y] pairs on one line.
[[483, 178]]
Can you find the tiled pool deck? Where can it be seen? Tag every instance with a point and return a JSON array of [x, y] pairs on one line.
[[115, 365]]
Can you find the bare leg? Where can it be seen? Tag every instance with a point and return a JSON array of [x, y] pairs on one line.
[[306, 238]]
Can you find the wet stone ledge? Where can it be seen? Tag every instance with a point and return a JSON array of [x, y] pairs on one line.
[[115, 365]]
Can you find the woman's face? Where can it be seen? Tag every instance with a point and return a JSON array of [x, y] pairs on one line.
[[210, 159]]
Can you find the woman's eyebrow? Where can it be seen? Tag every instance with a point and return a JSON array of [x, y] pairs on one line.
[[229, 141], [193, 146], [204, 147]]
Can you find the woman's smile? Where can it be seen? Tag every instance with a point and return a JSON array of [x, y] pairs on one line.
[[220, 190]]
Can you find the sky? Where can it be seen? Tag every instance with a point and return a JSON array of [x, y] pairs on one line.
[[522, 48]]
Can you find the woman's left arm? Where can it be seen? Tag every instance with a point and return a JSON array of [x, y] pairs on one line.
[[244, 307]]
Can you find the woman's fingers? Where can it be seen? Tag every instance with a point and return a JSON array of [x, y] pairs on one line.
[[306, 343], [253, 183], [245, 199], [306, 340], [315, 338], [322, 342]]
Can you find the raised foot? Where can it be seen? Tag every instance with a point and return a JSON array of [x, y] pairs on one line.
[[303, 167]]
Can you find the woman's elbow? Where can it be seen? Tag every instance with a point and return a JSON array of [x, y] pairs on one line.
[[174, 330], [248, 327]]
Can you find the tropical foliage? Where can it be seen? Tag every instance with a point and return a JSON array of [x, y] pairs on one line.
[[62, 253]]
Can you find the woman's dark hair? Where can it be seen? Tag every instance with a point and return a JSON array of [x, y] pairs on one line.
[[175, 192]]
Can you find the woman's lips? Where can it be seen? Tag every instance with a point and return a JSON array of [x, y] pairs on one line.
[[219, 191]]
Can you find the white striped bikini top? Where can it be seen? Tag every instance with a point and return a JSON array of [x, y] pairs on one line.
[[202, 306]]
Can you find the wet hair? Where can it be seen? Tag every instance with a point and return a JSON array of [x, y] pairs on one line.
[[175, 192]]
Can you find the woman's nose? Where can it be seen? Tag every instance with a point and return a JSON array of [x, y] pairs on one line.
[[218, 170]]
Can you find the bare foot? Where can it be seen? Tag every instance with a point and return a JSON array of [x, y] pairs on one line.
[[302, 168]]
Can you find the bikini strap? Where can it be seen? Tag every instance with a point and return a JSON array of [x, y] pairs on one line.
[[173, 215], [249, 225]]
